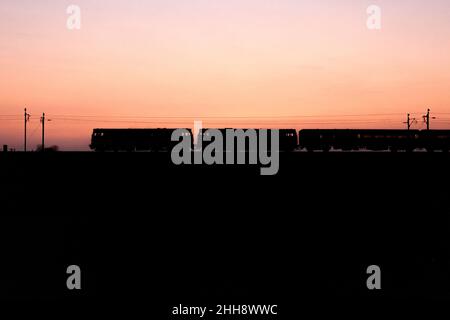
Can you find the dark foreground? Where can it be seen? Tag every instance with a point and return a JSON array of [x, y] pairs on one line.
[[149, 235]]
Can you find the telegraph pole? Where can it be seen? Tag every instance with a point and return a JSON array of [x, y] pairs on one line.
[[409, 121], [26, 119], [426, 119], [43, 131]]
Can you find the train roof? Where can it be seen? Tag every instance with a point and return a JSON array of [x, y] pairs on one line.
[[137, 129], [361, 130], [257, 129]]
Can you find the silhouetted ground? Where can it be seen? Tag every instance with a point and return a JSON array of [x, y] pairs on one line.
[[148, 233]]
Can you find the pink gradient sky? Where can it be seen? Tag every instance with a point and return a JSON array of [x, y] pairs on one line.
[[209, 58]]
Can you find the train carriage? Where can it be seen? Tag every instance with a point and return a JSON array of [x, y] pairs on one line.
[[350, 139], [134, 139], [433, 140], [287, 138]]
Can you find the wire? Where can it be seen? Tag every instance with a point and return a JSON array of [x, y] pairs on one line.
[[227, 121], [221, 116], [225, 117], [34, 131]]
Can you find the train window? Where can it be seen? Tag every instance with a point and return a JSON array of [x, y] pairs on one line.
[[359, 136]]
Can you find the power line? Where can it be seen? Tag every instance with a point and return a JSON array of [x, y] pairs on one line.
[[227, 117], [219, 116], [226, 121]]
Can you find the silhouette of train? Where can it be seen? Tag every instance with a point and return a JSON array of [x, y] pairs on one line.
[[308, 139], [287, 141], [133, 139]]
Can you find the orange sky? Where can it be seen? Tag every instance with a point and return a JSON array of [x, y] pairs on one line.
[[209, 58]]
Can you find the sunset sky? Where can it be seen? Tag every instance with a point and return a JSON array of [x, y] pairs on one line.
[[286, 63]]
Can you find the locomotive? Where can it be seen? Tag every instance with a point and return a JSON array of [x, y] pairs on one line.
[[308, 139], [133, 139]]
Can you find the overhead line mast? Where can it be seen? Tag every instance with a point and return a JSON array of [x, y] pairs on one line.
[[26, 119]]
